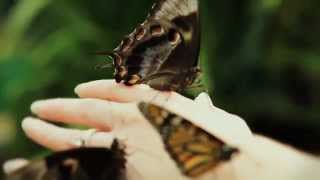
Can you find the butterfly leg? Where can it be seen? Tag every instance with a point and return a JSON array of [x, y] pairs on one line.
[[132, 80]]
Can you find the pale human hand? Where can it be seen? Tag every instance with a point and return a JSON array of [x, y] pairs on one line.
[[112, 110]]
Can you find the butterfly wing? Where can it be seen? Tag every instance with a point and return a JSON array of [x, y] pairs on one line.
[[76, 164], [163, 51], [193, 149], [183, 60], [170, 9]]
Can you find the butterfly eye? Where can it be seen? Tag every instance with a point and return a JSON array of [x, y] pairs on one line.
[[174, 37], [140, 32], [156, 30], [126, 44]]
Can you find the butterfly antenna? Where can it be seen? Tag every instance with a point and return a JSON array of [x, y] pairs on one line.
[[110, 54], [109, 64], [104, 53], [103, 66]]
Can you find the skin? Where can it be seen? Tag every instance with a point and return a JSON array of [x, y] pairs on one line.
[[111, 109]]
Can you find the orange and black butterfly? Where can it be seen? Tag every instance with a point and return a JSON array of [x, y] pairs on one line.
[[194, 150]]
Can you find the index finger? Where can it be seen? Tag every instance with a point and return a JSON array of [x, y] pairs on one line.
[[110, 90]]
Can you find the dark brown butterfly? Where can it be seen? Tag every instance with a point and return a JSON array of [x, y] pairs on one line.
[[76, 164], [163, 51], [194, 150]]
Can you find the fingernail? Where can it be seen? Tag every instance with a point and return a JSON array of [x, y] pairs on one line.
[[36, 106], [78, 88], [25, 124]]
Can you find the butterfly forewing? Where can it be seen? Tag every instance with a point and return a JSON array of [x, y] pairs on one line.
[[163, 51], [170, 9], [194, 150]]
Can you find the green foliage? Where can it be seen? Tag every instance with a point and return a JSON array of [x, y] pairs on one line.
[[265, 66], [261, 59]]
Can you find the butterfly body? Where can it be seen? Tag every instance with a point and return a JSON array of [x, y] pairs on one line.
[[194, 150], [163, 51], [76, 164]]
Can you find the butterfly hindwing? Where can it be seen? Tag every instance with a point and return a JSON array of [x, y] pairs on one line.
[[163, 51], [194, 150]]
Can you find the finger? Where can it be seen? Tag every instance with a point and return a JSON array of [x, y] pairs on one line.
[[99, 114], [221, 115], [204, 99], [228, 127], [58, 138], [14, 164], [110, 90]]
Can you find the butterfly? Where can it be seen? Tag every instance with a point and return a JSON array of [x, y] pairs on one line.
[[163, 51], [76, 164], [194, 150]]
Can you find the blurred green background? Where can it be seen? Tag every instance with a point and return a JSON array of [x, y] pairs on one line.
[[261, 60]]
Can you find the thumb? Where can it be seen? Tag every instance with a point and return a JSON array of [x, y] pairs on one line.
[[205, 100]]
